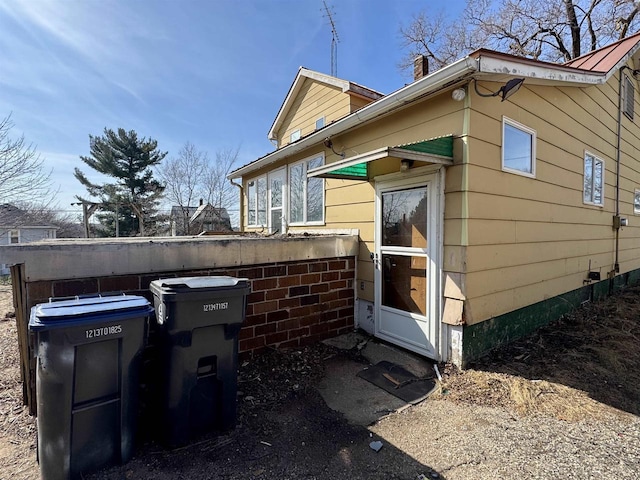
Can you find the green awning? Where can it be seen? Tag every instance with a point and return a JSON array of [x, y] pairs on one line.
[[434, 151], [442, 146]]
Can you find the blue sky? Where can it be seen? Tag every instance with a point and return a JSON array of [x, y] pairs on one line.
[[213, 73]]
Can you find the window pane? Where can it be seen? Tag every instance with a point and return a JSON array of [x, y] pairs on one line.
[[517, 149], [588, 179], [404, 284], [262, 201], [276, 192], [404, 218], [597, 182], [251, 194], [636, 201], [315, 193], [296, 193], [315, 207]]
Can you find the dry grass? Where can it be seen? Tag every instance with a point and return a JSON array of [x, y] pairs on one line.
[[17, 428], [584, 365]]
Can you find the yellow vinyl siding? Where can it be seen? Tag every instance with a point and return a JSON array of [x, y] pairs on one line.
[[314, 100], [531, 239], [516, 240]]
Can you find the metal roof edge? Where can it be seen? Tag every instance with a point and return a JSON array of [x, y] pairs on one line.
[[514, 66]]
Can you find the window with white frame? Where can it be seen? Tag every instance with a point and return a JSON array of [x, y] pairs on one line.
[[319, 123], [257, 202], [636, 201], [518, 148], [295, 135], [593, 192], [306, 195], [14, 236]]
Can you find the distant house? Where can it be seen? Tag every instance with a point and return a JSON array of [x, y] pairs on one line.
[[20, 226], [479, 219], [196, 220]]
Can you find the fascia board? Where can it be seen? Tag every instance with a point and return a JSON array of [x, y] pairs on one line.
[[502, 66]]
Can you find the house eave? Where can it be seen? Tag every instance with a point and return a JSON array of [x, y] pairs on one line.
[[538, 72], [430, 84]]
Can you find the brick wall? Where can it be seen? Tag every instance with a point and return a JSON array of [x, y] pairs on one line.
[[291, 304]]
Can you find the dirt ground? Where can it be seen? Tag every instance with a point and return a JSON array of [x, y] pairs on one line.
[[562, 403]]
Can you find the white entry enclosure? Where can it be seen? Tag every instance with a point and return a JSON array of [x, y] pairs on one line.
[[407, 256]]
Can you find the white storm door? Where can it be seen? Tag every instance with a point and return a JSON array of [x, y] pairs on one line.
[[406, 275], [277, 199]]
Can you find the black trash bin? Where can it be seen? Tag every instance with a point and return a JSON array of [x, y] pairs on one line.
[[87, 375], [199, 319]]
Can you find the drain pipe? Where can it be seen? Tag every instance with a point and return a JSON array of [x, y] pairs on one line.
[[241, 212], [617, 221]]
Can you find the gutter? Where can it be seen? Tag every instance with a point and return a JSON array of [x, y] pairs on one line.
[[425, 86]]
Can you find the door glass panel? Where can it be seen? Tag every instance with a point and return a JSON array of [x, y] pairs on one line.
[[404, 218], [404, 283], [276, 192], [276, 221]]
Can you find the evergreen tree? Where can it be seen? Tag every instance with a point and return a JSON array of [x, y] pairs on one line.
[[135, 193]]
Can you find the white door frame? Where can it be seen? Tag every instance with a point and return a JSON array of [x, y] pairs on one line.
[[433, 179], [281, 174]]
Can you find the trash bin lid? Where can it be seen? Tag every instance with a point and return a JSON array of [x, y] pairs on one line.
[[194, 283], [56, 311]]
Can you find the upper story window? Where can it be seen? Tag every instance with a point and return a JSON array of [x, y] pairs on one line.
[[636, 201], [319, 123], [257, 202], [14, 236], [628, 99], [518, 148], [295, 135], [306, 195], [593, 192]]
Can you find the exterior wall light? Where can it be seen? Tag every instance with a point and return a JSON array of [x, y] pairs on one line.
[[505, 91], [458, 94], [405, 165]]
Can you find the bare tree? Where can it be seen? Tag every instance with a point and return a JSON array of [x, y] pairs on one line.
[[219, 191], [183, 179], [22, 173], [553, 30], [193, 176]]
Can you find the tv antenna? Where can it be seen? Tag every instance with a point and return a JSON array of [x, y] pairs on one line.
[[334, 40]]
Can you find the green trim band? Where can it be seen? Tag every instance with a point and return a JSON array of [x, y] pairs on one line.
[[480, 338]]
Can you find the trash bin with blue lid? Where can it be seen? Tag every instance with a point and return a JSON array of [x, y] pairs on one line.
[[200, 319], [87, 377]]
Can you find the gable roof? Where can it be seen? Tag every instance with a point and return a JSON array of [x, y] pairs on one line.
[[347, 87], [12, 216], [481, 64], [608, 58]]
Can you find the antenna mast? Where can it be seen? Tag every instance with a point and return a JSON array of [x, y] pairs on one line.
[[334, 41]]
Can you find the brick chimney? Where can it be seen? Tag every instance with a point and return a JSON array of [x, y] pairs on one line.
[[420, 67]]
